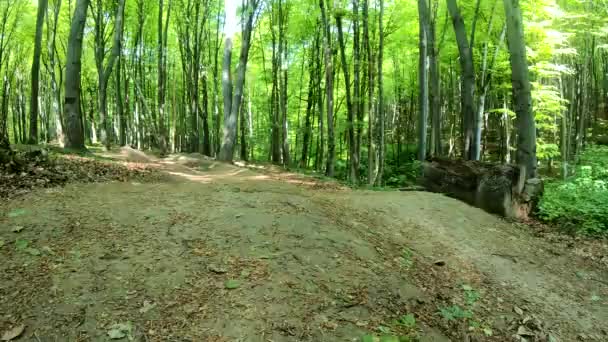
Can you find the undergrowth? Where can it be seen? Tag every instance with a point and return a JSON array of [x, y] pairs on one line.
[[580, 203]]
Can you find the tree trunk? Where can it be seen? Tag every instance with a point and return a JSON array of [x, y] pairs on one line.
[[75, 133], [229, 126], [485, 82], [205, 118], [104, 72], [434, 86], [370, 99], [227, 149], [310, 102], [329, 89], [122, 136], [356, 109], [352, 150], [468, 82], [423, 82], [498, 189], [381, 114], [522, 98], [283, 77], [42, 4]]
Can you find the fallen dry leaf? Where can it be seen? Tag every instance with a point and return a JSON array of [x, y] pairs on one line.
[[13, 333]]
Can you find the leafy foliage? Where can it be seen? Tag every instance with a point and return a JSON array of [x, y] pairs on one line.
[[579, 204]]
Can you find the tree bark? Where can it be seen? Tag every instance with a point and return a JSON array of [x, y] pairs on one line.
[[435, 85], [74, 130], [329, 89], [104, 72], [522, 97], [370, 99], [229, 139], [423, 82], [357, 108], [352, 149], [381, 114], [468, 82], [42, 4]]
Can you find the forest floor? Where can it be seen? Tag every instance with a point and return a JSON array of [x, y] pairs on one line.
[[216, 252]]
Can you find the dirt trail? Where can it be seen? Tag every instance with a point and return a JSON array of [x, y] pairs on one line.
[[222, 253]]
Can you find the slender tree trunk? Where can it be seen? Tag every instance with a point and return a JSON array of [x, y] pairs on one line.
[[104, 72], [119, 104], [352, 150], [283, 78], [522, 98], [381, 114], [310, 102], [423, 82], [356, 109], [227, 149], [75, 133], [468, 82], [329, 89], [434, 86], [226, 153], [485, 81], [370, 99], [42, 4]]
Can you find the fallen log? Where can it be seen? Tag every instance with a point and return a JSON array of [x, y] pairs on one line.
[[498, 189]]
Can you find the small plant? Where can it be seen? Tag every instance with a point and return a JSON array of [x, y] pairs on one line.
[[455, 312], [407, 321], [470, 295], [406, 258]]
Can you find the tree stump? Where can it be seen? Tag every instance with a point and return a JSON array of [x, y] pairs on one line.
[[497, 189]]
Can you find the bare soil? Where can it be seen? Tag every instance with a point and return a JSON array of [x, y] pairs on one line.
[[218, 252]]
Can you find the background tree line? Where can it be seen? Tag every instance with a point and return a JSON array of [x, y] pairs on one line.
[[354, 89]]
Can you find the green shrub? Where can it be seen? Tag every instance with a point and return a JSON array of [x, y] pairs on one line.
[[580, 204]]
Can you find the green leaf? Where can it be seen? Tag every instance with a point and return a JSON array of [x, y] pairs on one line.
[[232, 284], [1, 243], [16, 212], [368, 338], [467, 287], [21, 244], [384, 330], [408, 321], [389, 338]]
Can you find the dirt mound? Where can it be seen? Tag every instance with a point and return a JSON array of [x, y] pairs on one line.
[[132, 155]]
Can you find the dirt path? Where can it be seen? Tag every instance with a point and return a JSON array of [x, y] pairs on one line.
[[222, 253]]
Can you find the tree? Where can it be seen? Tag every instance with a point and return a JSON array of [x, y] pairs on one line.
[[105, 71], [423, 84], [522, 98], [232, 105], [350, 106], [162, 73], [329, 90], [381, 113], [468, 81], [72, 113], [42, 4]]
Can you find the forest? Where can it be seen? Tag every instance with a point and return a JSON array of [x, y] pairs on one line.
[[304, 170], [353, 89]]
